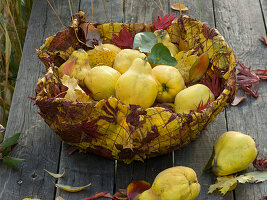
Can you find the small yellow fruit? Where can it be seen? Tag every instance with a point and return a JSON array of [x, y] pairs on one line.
[[190, 98], [234, 152], [136, 85], [176, 183], [103, 55], [101, 82], [170, 82], [125, 58]]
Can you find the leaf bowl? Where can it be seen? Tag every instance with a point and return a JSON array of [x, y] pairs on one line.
[[115, 130]]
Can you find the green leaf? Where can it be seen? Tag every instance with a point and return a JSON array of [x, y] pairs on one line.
[[10, 141], [11, 161], [144, 41], [160, 54], [5, 151], [209, 164]]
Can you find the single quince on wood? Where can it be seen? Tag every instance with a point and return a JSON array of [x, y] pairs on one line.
[[101, 82], [170, 82], [137, 85], [176, 183], [233, 152]]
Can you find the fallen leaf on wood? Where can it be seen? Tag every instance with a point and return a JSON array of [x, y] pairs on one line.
[[11, 161], [56, 175], [135, 188], [177, 7], [263, 40], [71, 188], [260, 164], [237, 100], [30, 199], [10, 141], [224, 183], [124, 40], [263, 198], [97, 195], [164, 22]]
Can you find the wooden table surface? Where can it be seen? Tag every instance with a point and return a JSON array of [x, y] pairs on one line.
[[241, 22]]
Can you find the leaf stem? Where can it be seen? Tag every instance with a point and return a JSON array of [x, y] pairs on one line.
[[180, 7], [199, 10]]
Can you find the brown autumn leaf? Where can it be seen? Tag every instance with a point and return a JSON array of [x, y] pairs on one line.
[[238, 100], [91, 34], [176, 7], [137, 187]]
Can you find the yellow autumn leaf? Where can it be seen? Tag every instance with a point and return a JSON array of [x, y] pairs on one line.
[[176, 7], [74, 92], [56, 175], [71, 188]]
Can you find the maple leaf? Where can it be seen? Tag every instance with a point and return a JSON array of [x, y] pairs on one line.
[[260, 164], [124, 40], [208, 32], [263, 40], [248, 79], [164, 22]]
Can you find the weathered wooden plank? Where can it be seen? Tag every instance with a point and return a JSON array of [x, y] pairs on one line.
[[142, 12], [197, 154], [264, 10], [241, 23], [38, 145], [87, 168]]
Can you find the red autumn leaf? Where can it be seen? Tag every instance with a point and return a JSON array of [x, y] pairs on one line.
[[214, 85], [263, 198], [248, 79], [120, 196], [260, 164], [135, 188], [124, 40], [208, 32], [202, 106], [263, 40], [91, 34], [97, 195], [164, 22]]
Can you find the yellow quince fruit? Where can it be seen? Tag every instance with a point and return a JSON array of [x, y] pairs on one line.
[[176, 183]]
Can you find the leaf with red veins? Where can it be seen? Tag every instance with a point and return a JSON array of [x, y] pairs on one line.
[[124, 40], [202, 106], [263, 40], [208, 32], [248, 79], [260, 164], [214, 85], [164, 22]]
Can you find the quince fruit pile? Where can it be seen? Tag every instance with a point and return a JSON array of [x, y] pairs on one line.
[[106, 71]]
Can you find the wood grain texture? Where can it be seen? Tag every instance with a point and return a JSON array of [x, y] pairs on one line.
[[197, 153], [38, 145], [264, 12], [87, 168], [242, 25], [143, 12]]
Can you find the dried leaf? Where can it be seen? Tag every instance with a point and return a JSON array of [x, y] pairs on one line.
[[260, 164], [208, 32], [91, 34], [2, 129], [137, 187], [144, 41], [160, 54], [56, 175], [177, 7], [263, 198], [164, 22], [11, 161], [226, 182], [74, 92], [10, 141], [263, 40], [97, 195], [237, 100], [214, 85], [71, 188], [199, 68], [202, 106], [124, 40]]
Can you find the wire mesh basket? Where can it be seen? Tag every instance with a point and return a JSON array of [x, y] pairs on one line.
[[115, 130]]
